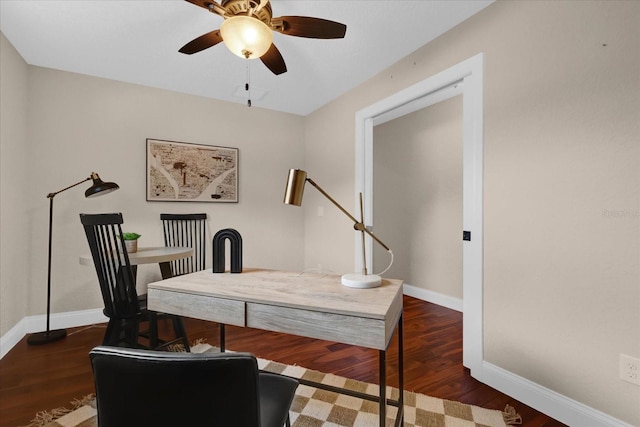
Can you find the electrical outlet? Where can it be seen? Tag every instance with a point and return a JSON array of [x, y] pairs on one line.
[[630, 369]]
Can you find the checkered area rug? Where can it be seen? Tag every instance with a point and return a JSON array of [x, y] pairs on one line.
[[314, 407]]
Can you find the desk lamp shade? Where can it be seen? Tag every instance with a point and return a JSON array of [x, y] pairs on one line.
[[295, 187], [98, 188], [293, 196]]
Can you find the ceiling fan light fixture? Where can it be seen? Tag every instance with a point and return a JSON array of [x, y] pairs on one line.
[[246, 37]]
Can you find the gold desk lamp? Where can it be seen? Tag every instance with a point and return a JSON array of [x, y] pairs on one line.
[[293, 196]]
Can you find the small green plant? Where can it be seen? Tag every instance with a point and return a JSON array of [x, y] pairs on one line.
[[130, 236]]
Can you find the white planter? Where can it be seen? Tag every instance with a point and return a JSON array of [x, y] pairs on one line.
[[131, 245]]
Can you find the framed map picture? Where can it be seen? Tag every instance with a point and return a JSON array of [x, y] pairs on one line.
[[183, 172]]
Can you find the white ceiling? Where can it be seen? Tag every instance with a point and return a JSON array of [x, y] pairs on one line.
[[137, 41]]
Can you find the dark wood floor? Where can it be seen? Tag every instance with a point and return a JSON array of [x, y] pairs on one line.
[[36, 378]]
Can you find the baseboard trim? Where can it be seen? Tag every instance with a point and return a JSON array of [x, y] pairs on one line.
[[433, 297], [38, 323], [13, 337], [556, 405]]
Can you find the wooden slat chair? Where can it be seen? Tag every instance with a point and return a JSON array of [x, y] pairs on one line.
[[125, 310], [188, 230]]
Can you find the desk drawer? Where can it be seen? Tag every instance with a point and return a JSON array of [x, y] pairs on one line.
[[228, 311], [352, 330]]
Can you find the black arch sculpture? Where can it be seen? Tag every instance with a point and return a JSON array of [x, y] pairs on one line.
[[219, 250]]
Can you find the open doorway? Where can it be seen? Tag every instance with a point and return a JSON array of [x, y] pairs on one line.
[[417, 201], [465, 78]]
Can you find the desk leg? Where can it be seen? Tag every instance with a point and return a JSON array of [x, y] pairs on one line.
[[382, 402], [383, 379], [222, 337], [400, 418]]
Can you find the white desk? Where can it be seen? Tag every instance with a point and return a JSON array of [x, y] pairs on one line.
[[151, 255], [310, 305]]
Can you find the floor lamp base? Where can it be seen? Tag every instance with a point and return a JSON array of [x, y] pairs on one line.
[[362, 281], [46, 337]]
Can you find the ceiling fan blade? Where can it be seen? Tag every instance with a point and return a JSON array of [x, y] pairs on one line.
[[304, 26], [274, 61], [210, 5], [203, 42]]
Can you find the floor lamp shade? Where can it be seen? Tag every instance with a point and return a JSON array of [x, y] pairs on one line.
[[293, 196], [98, 188]]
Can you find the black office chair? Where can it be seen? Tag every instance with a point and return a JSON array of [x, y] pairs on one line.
[[141, 387], [125, 310], [187, 230]]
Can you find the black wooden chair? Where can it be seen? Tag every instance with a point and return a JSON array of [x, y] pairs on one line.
[[125, 310], [141, 387], [187, 230]]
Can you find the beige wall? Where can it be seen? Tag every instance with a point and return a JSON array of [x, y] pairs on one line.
[[14, 173], [561, 187], [78, 124], [417, 200]]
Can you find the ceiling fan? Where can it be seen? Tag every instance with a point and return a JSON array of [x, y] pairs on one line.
[[247, 30]]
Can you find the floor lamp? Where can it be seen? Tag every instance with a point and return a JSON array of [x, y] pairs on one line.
[[98, 188], [293, 196]]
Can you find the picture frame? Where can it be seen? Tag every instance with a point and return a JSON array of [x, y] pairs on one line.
[[186, 172]]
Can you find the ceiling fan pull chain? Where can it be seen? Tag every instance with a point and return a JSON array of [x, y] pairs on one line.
[[246, 86]]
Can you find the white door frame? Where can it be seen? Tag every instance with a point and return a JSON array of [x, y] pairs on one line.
[[465, 78]]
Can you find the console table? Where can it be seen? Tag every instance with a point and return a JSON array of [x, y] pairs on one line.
[[310, 305]]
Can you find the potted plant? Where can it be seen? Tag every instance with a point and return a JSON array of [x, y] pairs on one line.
[[131, 241]]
